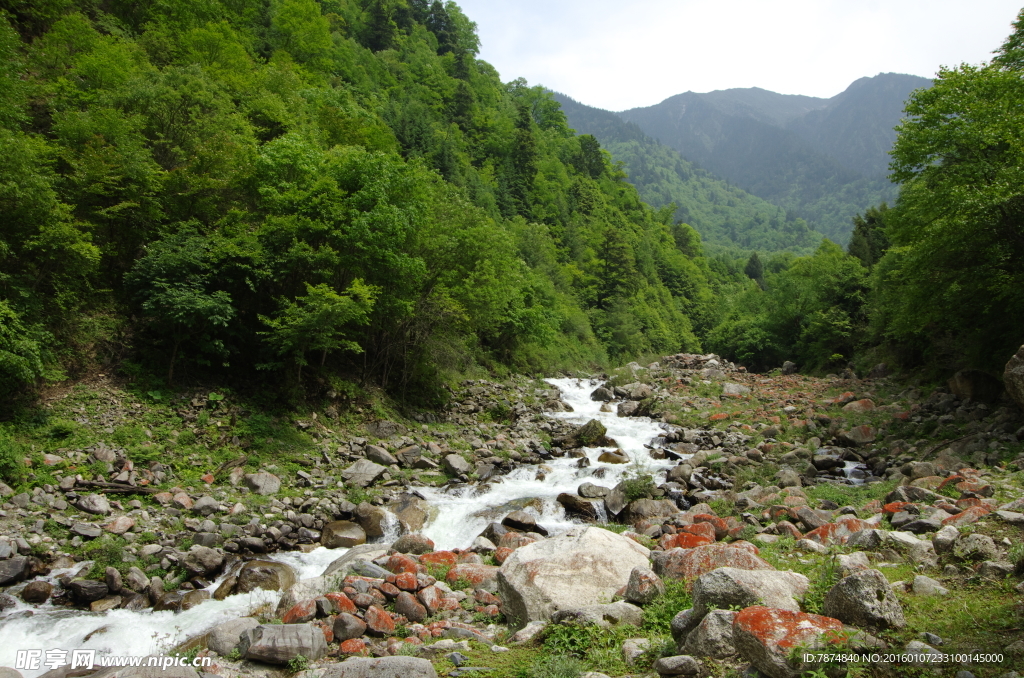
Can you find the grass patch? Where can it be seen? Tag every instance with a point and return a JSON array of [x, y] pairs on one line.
[[659, 613]]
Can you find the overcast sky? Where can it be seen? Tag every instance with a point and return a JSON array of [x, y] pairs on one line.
[[626, 53]]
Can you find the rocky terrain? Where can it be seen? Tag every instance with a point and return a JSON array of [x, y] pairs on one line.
[[799, 517]]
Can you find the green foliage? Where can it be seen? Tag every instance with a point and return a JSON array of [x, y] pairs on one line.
[[298, 663], [105, 551], [11, 455], [658, 614], [557, 666], [825, 577], [638, 484]]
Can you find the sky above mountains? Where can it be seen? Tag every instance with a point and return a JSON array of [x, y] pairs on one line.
[[626, 53]]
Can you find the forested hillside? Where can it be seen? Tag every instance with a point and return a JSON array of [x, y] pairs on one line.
[[310, 189], [824, 160], [727, 218]]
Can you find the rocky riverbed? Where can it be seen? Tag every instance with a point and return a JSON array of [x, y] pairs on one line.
[[698, 518]]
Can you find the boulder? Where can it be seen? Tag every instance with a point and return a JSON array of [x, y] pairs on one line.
[[524, 522], [281, 643], [13, 570], [602, 394], [96, 504], [306, 589], [364, 554], [411, 511], [789, 367], [407, 605], [88, 590], [225, 637], [605, 615], [541, 578], [456, 465], [37, 592], [689, 564], [865, 599], [362, 473], [975, 547], [679, 665], [1013, 377], [643, 586], [712, 637], [731, 390], [342, 534], [264, 574], [348, 626], [379, 455], [262, 483], [728, 587], [202, 561], [766, 637], [381, 667], [591, 434], [580, 507], [976, 385], [413, 543]]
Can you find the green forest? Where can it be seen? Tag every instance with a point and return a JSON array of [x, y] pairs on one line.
[[313, 194]]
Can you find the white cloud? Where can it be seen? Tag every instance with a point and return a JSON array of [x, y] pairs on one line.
[[618, 55]]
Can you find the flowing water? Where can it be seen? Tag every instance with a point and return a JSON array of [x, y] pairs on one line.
[[458, 517], [460, 514]]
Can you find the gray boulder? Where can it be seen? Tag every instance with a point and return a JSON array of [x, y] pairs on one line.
[[731, 390], [643, 586], [264, 574], [364, 553], [865, 599], [225, 637], [281, 643], [544, 577], [342, 534], [456, 465], [203, 561], [680, 665], [379, 455], [976, 547], [13, 570], [1013, 377], [206, 505], [96, 504], [381, 667], [604, 615], [729, 587], [262, 483], [362, 473], [712, 637]]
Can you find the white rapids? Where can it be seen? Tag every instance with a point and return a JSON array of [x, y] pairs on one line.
[[458, 516], [136, 633]]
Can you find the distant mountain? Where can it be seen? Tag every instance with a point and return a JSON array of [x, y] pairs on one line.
[[728, 218], [821, 159]]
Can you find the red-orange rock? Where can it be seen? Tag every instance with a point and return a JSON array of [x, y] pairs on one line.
[[895, 507], [325, 626], [430, 596], [683, 540], [767, 637], [439, 558], [341, 602], [300, 612], [720, 525], [502, 553], [378, 621], [448, 605], [389, 589], [406, 581], [473, 573], [401, 563], [864, 405], [787, 528], [706, 530], [353, 646], [967, 517], [688, 564]]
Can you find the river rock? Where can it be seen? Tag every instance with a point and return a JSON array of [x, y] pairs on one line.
[[1013, 377], [364, 554], [456, 465], [203, 561], [524, 522], [543, 577], [342, 534], [865, 599], [36, 592], [765, 637], [136, 580], [96, 504], [13, 570], [140, 672], [729, 587], [411, 511], [262, 483], [613, 457], [575, 505], [363, 473], [280, 643], [87, 590], [602, 394], [382, 667], [306, 589], [406, 604], [379, 455], [591, 434], [264, 574], [348, 626], [193, 598], [679, 665], [712, 637], [413, 543], [225, 637]]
